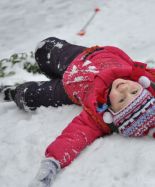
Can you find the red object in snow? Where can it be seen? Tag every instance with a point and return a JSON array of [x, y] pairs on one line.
[[97, 9], [81, 33], [83, 30]]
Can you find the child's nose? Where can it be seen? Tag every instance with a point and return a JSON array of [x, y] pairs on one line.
[[123, 88]]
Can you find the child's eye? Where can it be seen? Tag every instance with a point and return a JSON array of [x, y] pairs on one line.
[[121, 100], [134, 92]]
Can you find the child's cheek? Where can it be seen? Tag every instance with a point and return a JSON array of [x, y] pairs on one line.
[[134, 85], [112, 97]]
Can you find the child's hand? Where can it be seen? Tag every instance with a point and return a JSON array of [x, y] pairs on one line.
[[48, 169]]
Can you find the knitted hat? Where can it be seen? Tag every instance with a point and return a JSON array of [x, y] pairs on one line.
[[138, 116]]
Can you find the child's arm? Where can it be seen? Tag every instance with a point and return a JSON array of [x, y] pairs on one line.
[[81, 132]]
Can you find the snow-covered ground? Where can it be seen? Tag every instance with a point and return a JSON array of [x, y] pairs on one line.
[[110, 162]]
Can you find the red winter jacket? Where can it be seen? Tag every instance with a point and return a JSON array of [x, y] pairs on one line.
[[87, 81]]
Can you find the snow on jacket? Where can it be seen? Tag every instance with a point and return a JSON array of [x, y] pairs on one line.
[[87, 81]]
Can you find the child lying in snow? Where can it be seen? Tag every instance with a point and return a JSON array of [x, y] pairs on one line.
[[116, 93]]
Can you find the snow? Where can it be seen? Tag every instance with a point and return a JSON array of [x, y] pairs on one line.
[[48, 55], [40, 45], [92, 69], [112, 161], [87, 62], [74, 70], [59, 45], [79, 78]]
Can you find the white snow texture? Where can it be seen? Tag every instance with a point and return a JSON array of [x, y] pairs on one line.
[[113, 161]]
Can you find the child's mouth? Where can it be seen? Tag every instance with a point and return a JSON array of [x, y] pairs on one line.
[[119, 84]]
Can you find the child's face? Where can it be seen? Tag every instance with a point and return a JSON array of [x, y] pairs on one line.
[[122, 93]]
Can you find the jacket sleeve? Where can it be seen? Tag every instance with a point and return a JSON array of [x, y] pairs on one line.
[[81, 132]]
